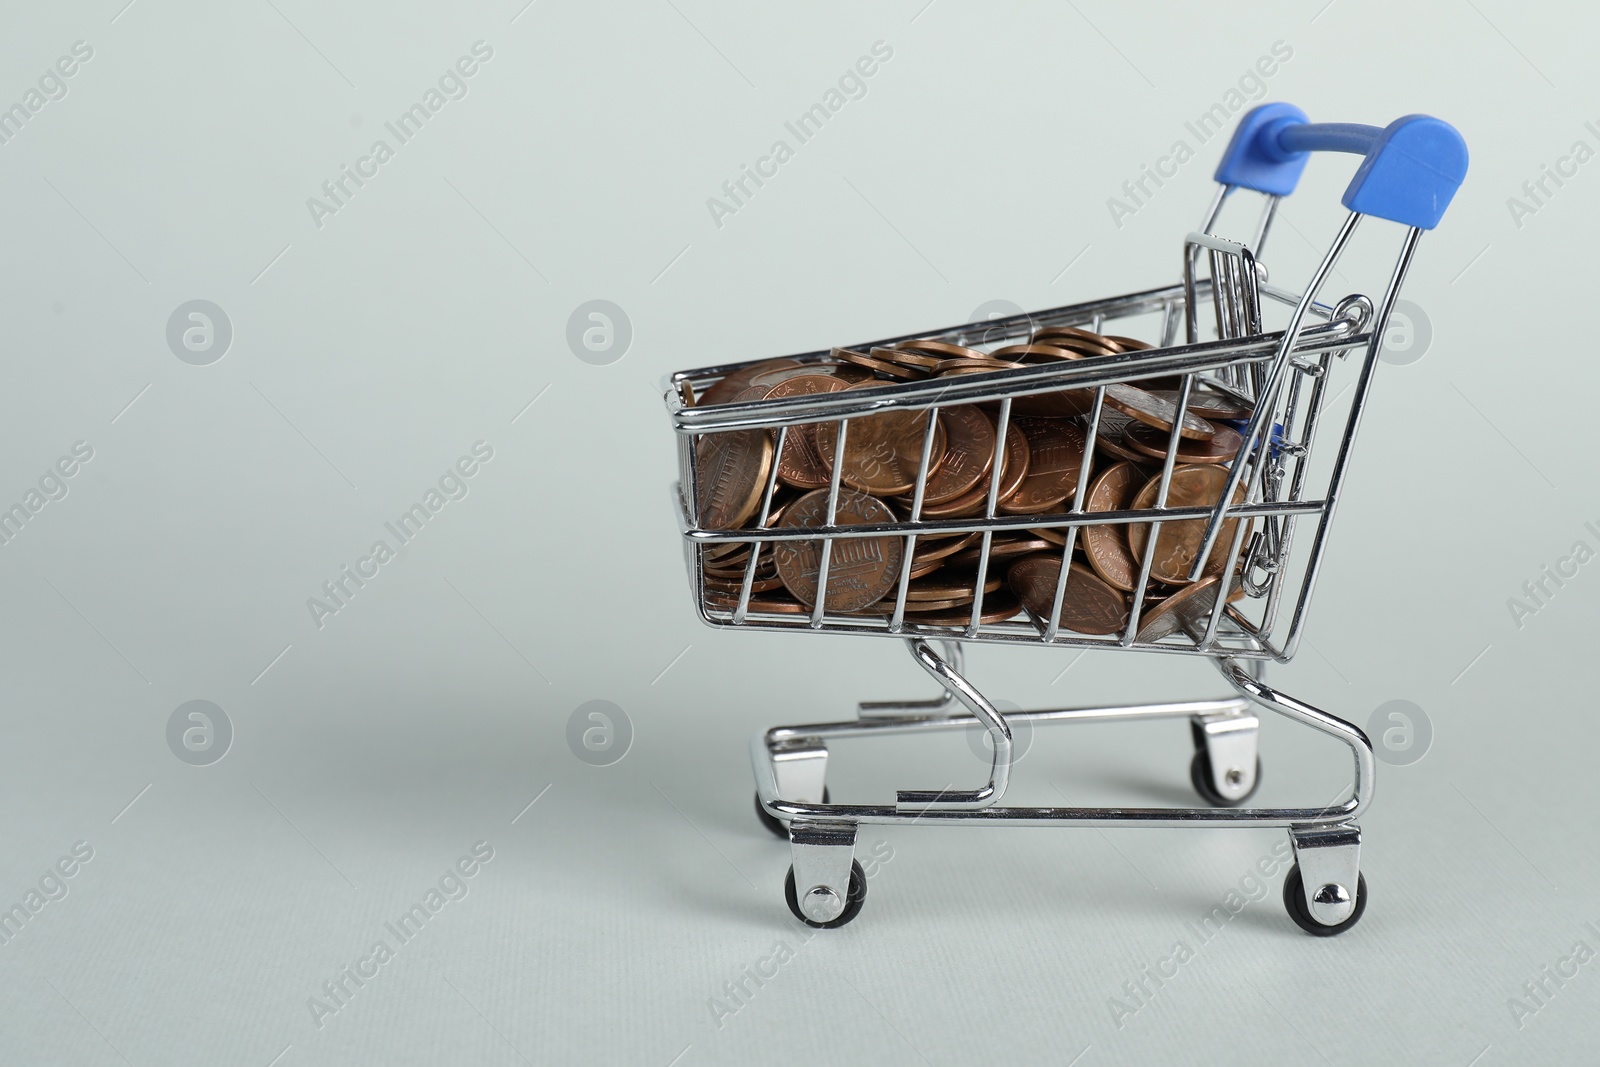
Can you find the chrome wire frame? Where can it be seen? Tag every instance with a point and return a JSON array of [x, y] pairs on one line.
[[1244, 360], [1284, 374]]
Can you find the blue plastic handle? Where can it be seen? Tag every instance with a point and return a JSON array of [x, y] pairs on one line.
[[1410, 171]]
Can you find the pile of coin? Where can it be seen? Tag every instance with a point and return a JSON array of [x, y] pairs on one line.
[[1034, 471]]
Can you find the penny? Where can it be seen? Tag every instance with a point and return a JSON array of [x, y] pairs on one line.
[[730, 475], [1208, 404], [889, 370], [1178, 545], [968, 454], [860, 569], [1111, 436], [1065, 403], [1003, 548], [1089, 606], [950, 587], [758, 585], [800, 464], [998, 608], [1151, 442], [1127, 344], [939, 548], [908, 356], [941, 349], [1055, 450], [1154, 411], [737, 381], [1054, 334], [757, 605], [1186, 608], [883, 451], [1034, 353], [1014, 467], [1107, 545], [970, 366]]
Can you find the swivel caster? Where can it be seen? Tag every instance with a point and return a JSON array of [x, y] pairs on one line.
[[774, 824], [1203, 780], [1226, 769], [822, 902], [1329, 896]]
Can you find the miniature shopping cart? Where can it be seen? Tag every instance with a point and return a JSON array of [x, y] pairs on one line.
[[1276, 486]]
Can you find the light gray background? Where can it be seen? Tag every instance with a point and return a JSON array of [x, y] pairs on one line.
[[429, 312]]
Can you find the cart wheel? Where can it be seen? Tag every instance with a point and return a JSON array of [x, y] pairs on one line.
[[774, 825], [854, 898], [1294, 900], [1200, 778]]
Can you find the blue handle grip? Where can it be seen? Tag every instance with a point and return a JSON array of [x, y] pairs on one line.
[[1410, 171]]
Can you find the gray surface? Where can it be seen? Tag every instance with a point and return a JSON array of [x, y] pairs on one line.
[[425, 315]]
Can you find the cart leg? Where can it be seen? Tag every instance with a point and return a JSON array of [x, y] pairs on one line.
[[1227, 765], [800, 767], [945, 702], [1325, 892], [826, 886]]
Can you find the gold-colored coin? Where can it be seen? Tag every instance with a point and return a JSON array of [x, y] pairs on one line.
[[1107, 546], [1089, 605], [860, 569], [1178, 545], [882, 452]]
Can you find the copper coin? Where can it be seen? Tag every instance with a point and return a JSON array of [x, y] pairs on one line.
[[1014, 467], [941, 349], [1051, 334], [737, 381], [888, 370], [908, 356], [1177, 547], [730, 476], [800, 464], [1111, 436], [882, 452], [1208, 404], [1127, 344], [998, 608], [951, 586], [732, 587], [1153, 411], [1035, 353], [1089, 606], [1107, 546], [1055, 451], [860, 569], [970, 366], [1002, 547], [1056, 535], [1149, 441], [1065, 403], [968, 453], [757, 605], [932, 548], [1188, 607]]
